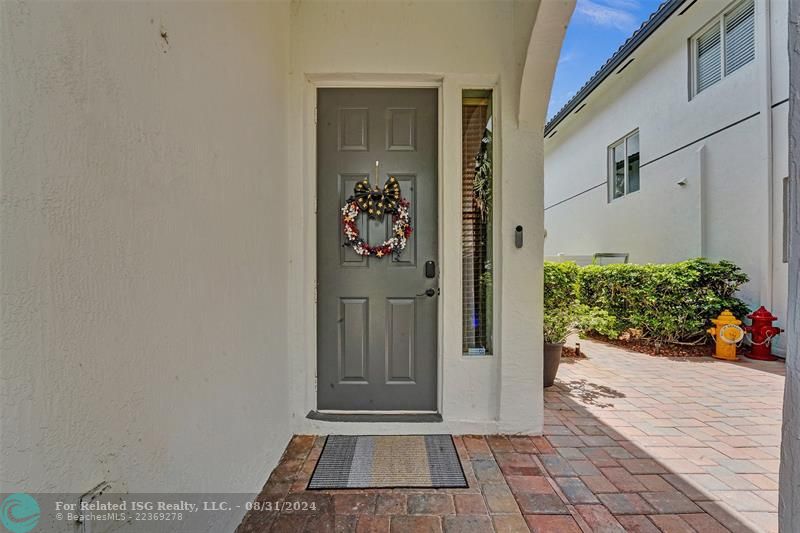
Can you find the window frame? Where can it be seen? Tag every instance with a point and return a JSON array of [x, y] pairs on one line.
[[610, 166], [468, 93], [719, 21]]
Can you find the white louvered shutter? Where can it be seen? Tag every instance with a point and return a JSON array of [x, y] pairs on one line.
[[709, 58], [739, 37]]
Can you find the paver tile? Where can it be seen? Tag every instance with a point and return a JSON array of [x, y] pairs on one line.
[[476, 446], [391, 503], [703, 522], [467, 524], [637, 524], [671, 523], [598, 484], [622, 479], [470, 504], [354, 503], [571, 453], [541, 504], [599, 519], [435, 504], [552, 524], [416, 524], [523, 444], [499, 499], [557, 465], [509, 523], [584, 468], [670, 502], [625, 503], [642, 466], [654, 483], [531, 484], [576, 490], [499, 443], [372, 524], [487, 471]]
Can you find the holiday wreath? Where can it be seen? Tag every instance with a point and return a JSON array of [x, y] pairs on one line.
[[376, 202]]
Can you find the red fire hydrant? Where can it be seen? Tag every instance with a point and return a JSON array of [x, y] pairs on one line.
[[761, 334]]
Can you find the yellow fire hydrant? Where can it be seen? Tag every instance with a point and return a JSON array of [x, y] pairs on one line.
[[726, 333]]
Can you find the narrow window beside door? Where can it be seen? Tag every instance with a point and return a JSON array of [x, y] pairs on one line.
[[476, 225]]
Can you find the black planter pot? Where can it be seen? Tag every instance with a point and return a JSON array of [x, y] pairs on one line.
[[552, 357]]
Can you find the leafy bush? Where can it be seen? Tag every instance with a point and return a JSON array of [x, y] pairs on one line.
[[595, 320], [671, 302], [562, 312], [560, 285]]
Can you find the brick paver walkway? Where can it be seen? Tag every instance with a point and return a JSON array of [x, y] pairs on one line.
[[631, 443], [712, 426]]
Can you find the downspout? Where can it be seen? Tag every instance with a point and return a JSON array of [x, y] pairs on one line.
[[767, 261]]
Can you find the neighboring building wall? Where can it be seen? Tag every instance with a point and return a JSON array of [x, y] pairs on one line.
[[143, 232], [482, 45], [723, 210]]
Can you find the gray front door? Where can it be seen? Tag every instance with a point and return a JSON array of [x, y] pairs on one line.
[[376, 327]]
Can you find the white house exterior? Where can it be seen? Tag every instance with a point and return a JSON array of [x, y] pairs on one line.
[[158, 227], [712, 162]]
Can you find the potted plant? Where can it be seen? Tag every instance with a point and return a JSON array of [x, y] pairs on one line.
[[558, 325]]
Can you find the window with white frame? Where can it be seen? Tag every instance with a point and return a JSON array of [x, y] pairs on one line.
[[623, 166], [723, 46]]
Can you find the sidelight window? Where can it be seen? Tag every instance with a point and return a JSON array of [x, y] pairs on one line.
[[476, 221]]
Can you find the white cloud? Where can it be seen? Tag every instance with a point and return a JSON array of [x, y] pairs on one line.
[[624, 4], [612, 13], [567, 56]]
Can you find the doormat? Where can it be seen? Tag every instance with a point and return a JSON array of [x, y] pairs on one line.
[[388, 461]]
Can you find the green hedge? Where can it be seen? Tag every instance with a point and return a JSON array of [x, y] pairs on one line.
[[670, 302], [560, 285]]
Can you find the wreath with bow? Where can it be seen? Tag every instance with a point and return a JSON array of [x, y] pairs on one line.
[[376, 203]]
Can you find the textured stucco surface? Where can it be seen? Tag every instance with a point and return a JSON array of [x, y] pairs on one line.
[[789, 495], [143, 233]]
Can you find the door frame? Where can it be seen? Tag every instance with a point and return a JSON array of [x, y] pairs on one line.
[[313, 84]]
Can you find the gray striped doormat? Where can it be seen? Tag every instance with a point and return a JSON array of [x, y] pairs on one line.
[[388, 461]]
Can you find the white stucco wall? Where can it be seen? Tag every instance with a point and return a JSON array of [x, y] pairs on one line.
[[723, 210], [789, 482], [143, 233], [455, 48]]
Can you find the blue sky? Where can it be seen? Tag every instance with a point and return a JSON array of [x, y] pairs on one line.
[[597, 29]]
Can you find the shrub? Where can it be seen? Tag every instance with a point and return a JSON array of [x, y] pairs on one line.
[[595, 320], [560, 285], [562, 312], [670, 302]]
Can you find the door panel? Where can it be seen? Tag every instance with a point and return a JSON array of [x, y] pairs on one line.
[[353, 339], [400, 339], [376, 338]]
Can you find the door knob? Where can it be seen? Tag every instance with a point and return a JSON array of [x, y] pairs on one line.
[[430, 293]]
